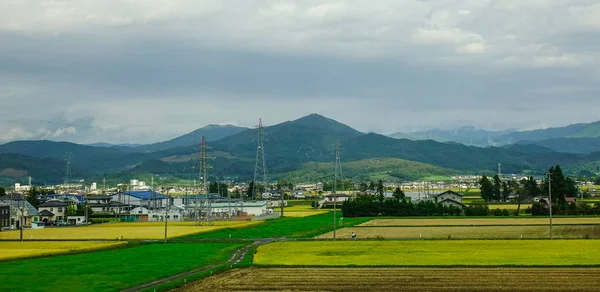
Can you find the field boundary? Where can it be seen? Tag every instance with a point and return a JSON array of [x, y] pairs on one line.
[[236, 260]]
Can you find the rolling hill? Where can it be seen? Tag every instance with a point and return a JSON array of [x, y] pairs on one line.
[[582, 130], [292, 147], [467, 135], [568, 145], [210, 132]]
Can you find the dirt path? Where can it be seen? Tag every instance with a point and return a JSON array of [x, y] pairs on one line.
[[237, 257]]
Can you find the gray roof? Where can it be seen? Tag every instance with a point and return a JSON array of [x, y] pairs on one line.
[[46, 213], [448, 192], [238, 204], [54, 203], [31, 210], [96, 198], [450, 200]]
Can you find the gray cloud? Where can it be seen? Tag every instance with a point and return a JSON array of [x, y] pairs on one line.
[[85, 71]]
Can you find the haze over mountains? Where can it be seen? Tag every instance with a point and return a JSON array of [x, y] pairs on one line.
[[303, 149], [577, 138]]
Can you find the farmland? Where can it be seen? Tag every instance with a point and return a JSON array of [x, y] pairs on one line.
[[480, 221], [112, 231], [301, 211], [17, 250], [469, 232], [431, 253], [292, 227], [112, 270], [401, 279]]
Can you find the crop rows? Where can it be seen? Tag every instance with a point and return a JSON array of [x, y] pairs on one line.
[[402, 279], [469, 232], [479, 221]]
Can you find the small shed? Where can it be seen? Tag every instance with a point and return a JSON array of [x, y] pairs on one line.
[[37, 225]]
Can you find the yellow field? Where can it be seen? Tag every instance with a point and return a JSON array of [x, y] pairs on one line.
[[469, 232], [138, 230], [511, 207], [430, 253], [479, 221], [400, 279], [301, 211], [16, 250]]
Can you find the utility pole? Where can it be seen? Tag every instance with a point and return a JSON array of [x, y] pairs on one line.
[[204, 178], [166, 214], [22, 217], [337, 169], [550, 199], [85, 207], [260, 167]]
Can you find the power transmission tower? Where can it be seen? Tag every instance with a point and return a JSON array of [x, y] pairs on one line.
[[260, 167], [337, 175], [68, 170]]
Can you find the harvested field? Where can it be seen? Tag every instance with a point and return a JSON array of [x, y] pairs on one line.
[[18, 250], [469, 232], [401, 279], [431, 253], [480, 221], [113, 231]]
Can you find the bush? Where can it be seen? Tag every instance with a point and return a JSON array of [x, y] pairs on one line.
[[477, 210]]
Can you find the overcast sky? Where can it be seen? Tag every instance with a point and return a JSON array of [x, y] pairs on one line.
[[145, 71]]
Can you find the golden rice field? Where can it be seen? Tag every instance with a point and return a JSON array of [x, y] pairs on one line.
[[301, 211], [124, 231], [479, 221], [401, 279], [469, 232], [430, 253], [510, 207], [17, 250]]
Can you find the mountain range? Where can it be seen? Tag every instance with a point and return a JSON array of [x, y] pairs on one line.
[[583, 138], [300, 149]]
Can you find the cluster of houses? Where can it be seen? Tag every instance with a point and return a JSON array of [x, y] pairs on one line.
[[144, 205], [447, 198]]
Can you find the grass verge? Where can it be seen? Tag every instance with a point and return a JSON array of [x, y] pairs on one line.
[[112, 270], [291, 227]]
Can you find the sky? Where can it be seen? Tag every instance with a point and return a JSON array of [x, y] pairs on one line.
[[144, 71]]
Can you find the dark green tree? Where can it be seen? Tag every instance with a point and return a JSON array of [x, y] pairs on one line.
[[81, 210], [399, 194], [371, 185], [558, 182], [380, 188], [497, 188], [213, 187], [223, 189], [487, 189], [32, 196], [250, 190], [505, 191], [2, 191], [597, 181]]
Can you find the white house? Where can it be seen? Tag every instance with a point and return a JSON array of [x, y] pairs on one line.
[[76, 220], [53, 210], [240, 208], [449, 198]]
